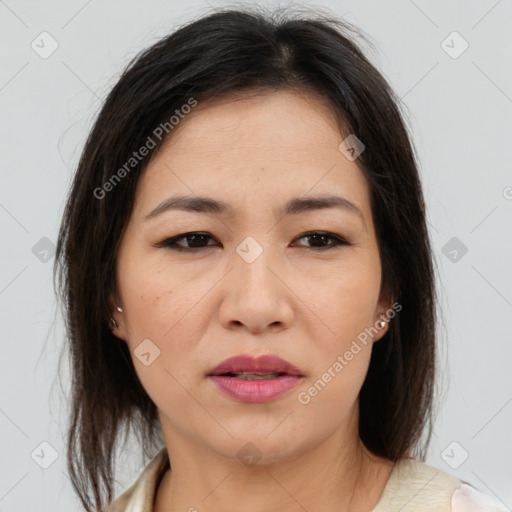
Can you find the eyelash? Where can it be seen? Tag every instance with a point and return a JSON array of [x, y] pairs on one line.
[[170, 243]]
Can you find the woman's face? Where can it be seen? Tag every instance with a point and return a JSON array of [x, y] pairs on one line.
[[253, 282]]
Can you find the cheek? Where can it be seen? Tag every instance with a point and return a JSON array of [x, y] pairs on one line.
[[172, 316], [163, 337], [346, 303], [336, 385], [157, 301], [343, 351]]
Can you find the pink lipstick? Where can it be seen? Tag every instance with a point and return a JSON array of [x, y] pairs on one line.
[[255, 380]]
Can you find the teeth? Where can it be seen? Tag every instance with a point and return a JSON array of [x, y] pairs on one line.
[[255, 375]]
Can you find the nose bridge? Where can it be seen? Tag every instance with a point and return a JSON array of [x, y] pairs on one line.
[[253, 262], [255, 296]]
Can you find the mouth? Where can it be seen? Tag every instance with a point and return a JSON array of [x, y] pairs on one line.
[[248, 367], [259, 380], [253, 375]]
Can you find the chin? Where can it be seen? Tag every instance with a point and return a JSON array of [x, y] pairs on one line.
[[254, 447]]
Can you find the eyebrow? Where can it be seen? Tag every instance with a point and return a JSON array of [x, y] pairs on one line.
[[295, 206]]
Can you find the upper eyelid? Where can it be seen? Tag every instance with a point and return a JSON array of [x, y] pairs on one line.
[[340, 239]]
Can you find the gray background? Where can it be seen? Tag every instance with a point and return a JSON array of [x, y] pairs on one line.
[[460, 111]]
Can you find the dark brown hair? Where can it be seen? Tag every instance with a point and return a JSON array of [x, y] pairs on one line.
[[220, 55]]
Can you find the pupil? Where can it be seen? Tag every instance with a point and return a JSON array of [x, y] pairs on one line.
[[195, 239]]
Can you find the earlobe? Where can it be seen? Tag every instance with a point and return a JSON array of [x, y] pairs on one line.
[[115, 324], [116, 327], [384, 318], [381, 325]]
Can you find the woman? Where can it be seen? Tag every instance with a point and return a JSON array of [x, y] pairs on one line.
[[248, 280]]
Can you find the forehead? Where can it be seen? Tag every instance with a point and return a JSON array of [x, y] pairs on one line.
[[272, 145], [264, 119]]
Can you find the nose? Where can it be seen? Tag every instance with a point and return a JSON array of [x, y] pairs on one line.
[[256, 296]]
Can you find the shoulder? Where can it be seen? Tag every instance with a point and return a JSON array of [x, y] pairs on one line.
[[416, 486], [139, 497], [468, 499]]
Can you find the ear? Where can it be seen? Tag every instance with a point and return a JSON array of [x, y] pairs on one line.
[[118, 316]]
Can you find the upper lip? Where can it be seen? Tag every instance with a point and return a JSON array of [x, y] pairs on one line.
[[247, 363]]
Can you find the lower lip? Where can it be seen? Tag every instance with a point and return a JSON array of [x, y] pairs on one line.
[[256, 390]]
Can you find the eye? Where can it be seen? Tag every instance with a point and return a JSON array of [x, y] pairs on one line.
[[196, 240], [321, 237]]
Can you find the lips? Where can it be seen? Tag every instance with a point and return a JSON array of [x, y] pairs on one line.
[[246, 365], [255, 380]]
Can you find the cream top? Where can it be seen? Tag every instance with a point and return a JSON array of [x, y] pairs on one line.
[[413, 486]]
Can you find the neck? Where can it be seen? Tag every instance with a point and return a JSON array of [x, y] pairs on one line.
[[338, 474]]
